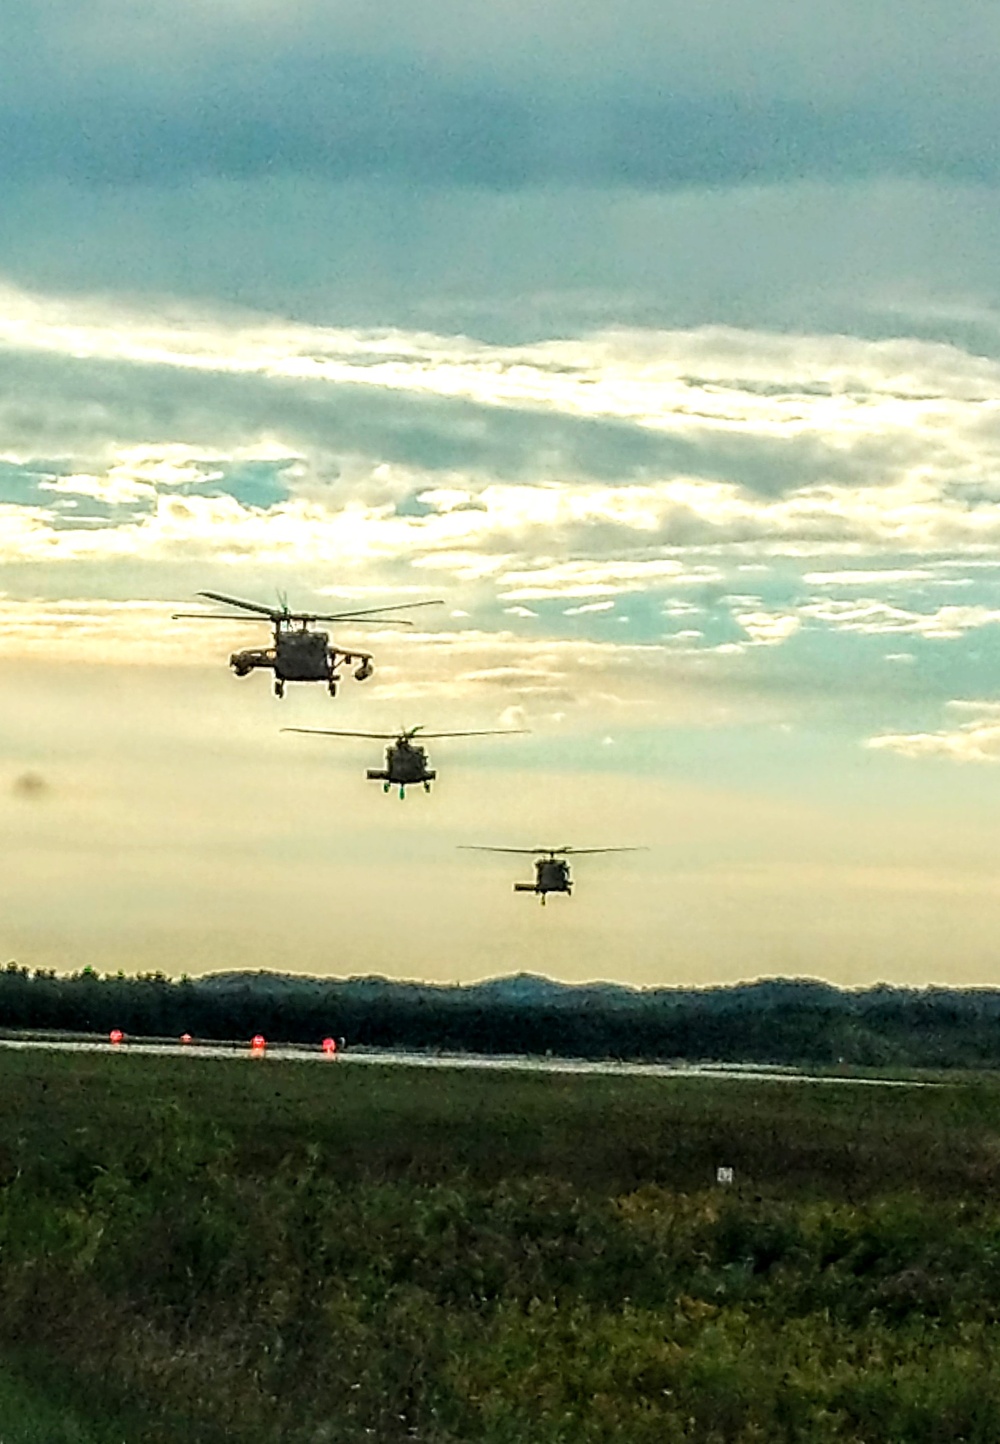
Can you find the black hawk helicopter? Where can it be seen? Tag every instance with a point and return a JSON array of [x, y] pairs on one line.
[[298, 654], [551, 869], [405, 760]]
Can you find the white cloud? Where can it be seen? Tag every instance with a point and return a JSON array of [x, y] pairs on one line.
[[775, 444], [588, 607], [112, 489], [875, 617], [933, 401], [768, 629], [509, 535], [596, 578], [978, 706], [861, 453], [513, 717], [890, 575], [972, 742], [977, 740]]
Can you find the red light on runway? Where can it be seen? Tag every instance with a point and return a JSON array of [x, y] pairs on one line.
[[258, 1043], [185, 1037], [116, 1036], [329, 1046]]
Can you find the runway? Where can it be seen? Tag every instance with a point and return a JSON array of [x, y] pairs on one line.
[[497, 1063]]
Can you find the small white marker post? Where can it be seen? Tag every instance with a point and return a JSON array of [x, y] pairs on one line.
[[723, 1175]]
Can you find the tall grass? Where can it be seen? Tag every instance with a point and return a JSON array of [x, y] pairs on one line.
[[284, 1252], [29, 1414]]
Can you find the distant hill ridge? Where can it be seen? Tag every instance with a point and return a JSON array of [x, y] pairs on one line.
[[527, 986], [529, 989]]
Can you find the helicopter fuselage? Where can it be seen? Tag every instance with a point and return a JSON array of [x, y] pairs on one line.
[[551, 875], [299, 655], [405, 766]]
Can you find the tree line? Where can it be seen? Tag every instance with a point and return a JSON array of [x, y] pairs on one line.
[[775, 1021]]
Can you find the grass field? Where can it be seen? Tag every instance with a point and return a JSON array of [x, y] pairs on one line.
[[251, 1250], [29, 1415]]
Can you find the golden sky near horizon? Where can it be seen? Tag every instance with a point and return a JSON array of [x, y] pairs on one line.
[[177, 828]]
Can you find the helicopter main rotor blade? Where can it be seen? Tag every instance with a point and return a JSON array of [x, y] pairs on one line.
[[528, 851], [258, 607], [327, 732], [478, 847], [369, 612], [354, 621], [282, 614], [403, 735], [217, 617], [580, 851], [489, 732], [548, 851]]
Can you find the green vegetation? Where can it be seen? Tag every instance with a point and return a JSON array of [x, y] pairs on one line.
[[262, 1251], [30, 1415]]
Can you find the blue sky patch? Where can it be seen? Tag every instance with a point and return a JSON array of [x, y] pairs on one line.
[[258, 484]]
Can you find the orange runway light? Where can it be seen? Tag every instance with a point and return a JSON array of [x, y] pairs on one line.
[[329, 1046], [116, 1036], [185, 1037]]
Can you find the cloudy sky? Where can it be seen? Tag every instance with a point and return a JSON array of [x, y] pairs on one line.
[[660, 342]]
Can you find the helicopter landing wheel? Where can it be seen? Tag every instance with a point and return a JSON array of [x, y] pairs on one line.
[[331, 687], [402, 793], [385, 786], [279, 687], [427, 787]]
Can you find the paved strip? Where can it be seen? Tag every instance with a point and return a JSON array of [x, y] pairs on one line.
[[500, 1063]]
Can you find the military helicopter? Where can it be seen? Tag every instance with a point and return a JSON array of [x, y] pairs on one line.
[[298, 654], [405, 760], [551, 869]]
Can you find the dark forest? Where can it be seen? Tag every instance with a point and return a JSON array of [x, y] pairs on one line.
[[777, 1021]]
